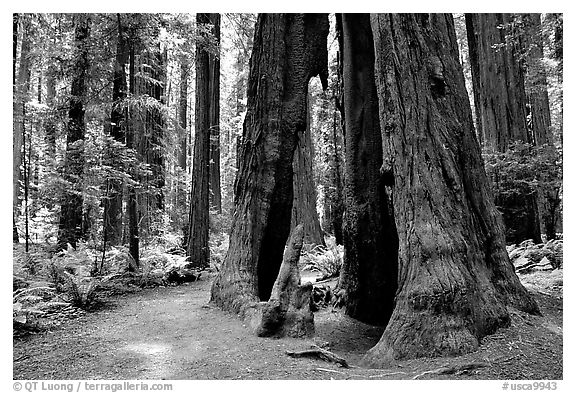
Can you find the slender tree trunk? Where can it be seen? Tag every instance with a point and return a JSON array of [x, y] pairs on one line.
[[288, 50], [158, 124], [368, 275], [133, 211], [70, 226], [149, 127], [50, 122], [181, 203], [198, 251], [15, 19], [114, 197], [501, 101], [21, 90], [337, 211], [183, 113], [536, 84], [214, 109], [455, 280], [539, 109], [304, 206]]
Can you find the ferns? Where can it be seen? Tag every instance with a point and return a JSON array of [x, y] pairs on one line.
[[326, 261]]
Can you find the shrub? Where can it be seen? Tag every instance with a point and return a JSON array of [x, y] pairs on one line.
[[523, 170]]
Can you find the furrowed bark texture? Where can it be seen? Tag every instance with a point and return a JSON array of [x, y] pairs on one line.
[[149, 138], [70, 226], [454, 279], [289, 49], [214, 172], [304, 207], [21, 88], [536, 84], [183, 113], [113, 201], [198, 251], [368, 276], [133, 213], [500, 101], [498, 81]]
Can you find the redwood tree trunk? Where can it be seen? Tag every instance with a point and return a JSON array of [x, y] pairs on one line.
[[501, 101], [304, 206], [536, 84], [113, 201], [368, 276], [70, 226], [198, 251], [133, 216], [455, 280], [214, 109], [183, 113], [289, 49], [21, 90]]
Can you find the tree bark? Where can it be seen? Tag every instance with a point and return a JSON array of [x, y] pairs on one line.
[[50, 125], [133, 211], [198, 251], [498, 81], [149, 125], [70, 226], [501, 103], [304, 206], [21, 90], [287, 312], [536, 83], [15, 19], [455, 280], [214, 109], [289, 49], [183, 113], [114, 197], [368, 275]]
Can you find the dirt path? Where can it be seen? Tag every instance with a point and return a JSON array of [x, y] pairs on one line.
[[172, 333]]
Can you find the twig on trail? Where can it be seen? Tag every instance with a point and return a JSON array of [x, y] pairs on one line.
[[329, 371], [319, 353], [458, 369], [502, 359], [386, 374], [21, 358]]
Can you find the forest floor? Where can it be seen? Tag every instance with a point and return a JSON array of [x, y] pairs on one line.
[[173, 333]]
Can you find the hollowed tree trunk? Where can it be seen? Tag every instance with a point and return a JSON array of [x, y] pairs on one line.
[[368, 276], [289, 49], [455, 280]]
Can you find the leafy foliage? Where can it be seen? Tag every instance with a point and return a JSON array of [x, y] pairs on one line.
[[326, 261], [525, 169]]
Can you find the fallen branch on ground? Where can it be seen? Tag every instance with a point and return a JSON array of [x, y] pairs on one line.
[[386, 374], [329, 371], [319, 353], [457, 370]]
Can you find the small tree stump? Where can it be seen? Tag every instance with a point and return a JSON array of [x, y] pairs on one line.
[[287, 312]]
